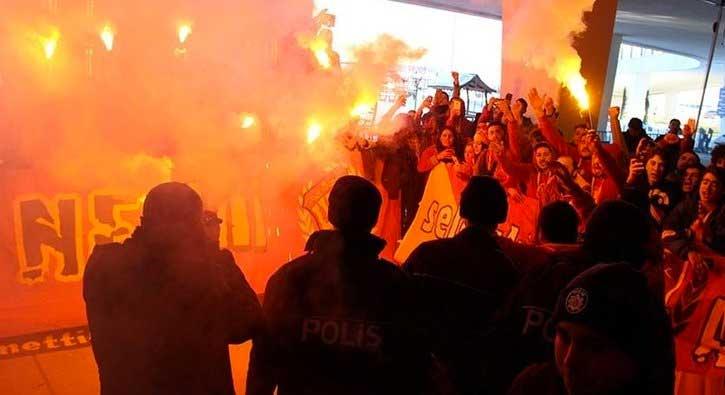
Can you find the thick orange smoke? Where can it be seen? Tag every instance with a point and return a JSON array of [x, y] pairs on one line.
[[540, 36], [213, 93]]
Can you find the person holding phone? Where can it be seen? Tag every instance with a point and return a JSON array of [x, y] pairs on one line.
[[445, 151], [646, 185], [457, 120]]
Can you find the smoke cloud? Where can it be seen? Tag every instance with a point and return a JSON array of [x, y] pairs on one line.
[[152, 109], [540, 35]]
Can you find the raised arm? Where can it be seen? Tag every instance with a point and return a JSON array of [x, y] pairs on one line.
[[456, 84], [387, 118], [687, 143], [617, 135], [608, 162], [550, 133], [427, 103]]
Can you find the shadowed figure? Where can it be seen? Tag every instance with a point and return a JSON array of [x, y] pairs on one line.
[[164, 306], [337, 316], [609, 339], [462, 282]]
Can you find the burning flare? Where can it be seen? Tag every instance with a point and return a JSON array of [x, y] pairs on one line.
[[578, 87], [107, 37], [184, 32], [247, 121], [50, 44], [320, 48], [314, 130], [361, 109]]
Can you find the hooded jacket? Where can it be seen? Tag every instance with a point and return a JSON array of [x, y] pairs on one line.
[[162, 309]]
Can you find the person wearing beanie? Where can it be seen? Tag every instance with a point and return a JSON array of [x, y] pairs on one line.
[[616, 232], [164, 305], [463, 281], [612, 337], [338, 317]]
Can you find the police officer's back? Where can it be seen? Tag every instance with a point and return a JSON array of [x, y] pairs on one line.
[[336, 316], [463, 282], [162, 307]]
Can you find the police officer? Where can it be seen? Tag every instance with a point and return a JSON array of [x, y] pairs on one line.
[[463, 282], [337, 316], [612, 337], [163, 306]]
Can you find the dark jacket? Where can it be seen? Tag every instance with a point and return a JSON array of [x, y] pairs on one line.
[[162, 316], [337, 324], [525, 322], [463, 282], [541, 379]]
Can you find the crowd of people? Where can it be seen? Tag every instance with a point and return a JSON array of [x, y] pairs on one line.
[[581, 309]]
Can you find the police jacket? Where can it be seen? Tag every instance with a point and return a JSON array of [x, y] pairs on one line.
[[461, 284], [338, 323]]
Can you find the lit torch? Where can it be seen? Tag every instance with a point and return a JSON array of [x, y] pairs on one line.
[[578, 87], [320, 49], [50, 44], [247, 121], [361, 109], [184, 32], [314, 130], [107, 38]]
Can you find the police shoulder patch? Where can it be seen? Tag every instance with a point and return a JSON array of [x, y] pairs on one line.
[[577, 301]]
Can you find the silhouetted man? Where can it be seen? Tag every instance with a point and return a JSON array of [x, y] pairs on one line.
[[464, 281], [164, 306], [337, 315], [635, 132]]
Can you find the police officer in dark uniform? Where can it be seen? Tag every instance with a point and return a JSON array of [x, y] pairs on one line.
[[463, 282], [337, 316], [164, 306]]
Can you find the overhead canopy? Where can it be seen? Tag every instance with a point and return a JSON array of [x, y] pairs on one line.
[[471, 82]]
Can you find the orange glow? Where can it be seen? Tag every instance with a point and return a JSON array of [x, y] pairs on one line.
[[107, 37], [313, 132], [184, 32], [50, 44], [578, 87], [247, 121], [320, 48], [361, 109]]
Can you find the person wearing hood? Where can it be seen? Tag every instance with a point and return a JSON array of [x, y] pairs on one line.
[[338, 316], [613, 337], [164, 305]]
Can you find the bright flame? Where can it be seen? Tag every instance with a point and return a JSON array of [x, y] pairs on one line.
[[184, 32], [361, 109], [50, 44], [107, 37], [578, 87], [248, 121], [319, 48], [313, 132]]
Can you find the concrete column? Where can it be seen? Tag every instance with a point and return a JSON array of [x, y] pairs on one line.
[[608, 89], [593, 46]]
